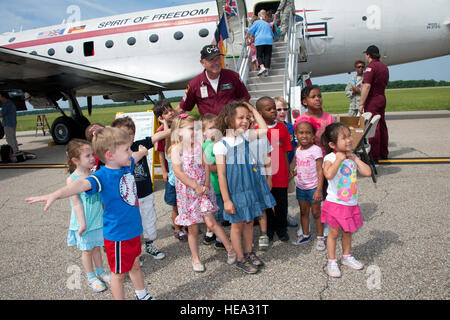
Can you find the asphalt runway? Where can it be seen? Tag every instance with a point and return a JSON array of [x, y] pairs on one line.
[[403, 242]]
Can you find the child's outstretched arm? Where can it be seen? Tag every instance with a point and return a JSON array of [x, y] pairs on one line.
[[138, 155], [262, 126], [162, 134], [223, 184], [73, 188], [362, 167], [78, 209]]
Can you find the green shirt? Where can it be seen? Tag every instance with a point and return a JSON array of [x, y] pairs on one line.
[[208, 150]]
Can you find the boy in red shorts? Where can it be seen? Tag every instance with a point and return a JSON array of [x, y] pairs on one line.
[[122, 224]]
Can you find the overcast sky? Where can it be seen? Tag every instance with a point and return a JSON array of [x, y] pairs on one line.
[[30, 14]]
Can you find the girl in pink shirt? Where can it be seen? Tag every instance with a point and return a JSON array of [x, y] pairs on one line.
[[309, 181]]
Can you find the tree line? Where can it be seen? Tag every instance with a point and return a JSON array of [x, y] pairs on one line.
[[399, 84]]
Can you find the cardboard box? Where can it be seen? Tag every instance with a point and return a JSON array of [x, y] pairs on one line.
[[356, 125]]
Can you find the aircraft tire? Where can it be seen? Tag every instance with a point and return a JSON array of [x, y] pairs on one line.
[[63, 130]]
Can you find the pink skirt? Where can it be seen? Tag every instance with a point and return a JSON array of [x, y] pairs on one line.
[[337, 215]]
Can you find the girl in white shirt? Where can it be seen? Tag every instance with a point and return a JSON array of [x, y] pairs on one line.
[[340, 209]]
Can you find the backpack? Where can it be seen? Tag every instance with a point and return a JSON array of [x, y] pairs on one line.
[[6, 153]]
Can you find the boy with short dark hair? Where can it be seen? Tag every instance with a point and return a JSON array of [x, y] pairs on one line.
[[122, 224], [144, 183], [278, 136]]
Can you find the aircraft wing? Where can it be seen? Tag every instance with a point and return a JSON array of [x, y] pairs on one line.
[[39, 75]]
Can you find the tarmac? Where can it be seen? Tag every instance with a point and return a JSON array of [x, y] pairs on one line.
[[403, 242]]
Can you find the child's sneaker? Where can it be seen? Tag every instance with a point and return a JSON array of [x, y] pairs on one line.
[[246, 266], [320, 244], [261, 71], [97, 285], [263, 243], [231, 258], [333, 269], [352, 263], [180, 236], [219, 245], [209, 240], [301, 240], [198, 266], [254, 260], [146, 297], [152, 251], [105, 277]]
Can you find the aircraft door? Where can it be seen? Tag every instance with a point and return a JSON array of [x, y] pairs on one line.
[[236, 19]]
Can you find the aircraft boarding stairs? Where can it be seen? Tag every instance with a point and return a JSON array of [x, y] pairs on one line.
[[282, 80]]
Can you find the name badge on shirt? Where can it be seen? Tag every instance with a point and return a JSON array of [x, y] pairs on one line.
[[226, 86], [204, 92]]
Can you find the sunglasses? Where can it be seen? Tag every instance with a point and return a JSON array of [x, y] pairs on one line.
[[283, 109], [359, 67]]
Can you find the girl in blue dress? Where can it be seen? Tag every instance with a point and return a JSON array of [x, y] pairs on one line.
[[86, 223], [244, 189]]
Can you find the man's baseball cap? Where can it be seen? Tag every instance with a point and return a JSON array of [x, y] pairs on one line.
[[372, 49], [209, 52]]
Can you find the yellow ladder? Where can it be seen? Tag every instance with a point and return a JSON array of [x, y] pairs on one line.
[[42, 123]]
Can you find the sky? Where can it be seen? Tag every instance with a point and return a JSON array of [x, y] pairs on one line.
[[29, 14]]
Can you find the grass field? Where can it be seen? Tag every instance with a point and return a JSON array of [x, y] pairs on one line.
[[335, 103]]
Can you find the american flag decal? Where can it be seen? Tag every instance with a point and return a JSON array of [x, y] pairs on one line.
[[52, 33], [230, 8], [317, 29]]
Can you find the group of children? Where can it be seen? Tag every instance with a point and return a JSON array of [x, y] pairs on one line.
[[233, 167]]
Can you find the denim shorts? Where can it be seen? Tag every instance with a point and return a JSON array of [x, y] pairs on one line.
[[305, 195], [170, 195]]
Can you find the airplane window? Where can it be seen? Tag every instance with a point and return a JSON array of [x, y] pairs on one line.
[[131, 41], [33, 52], [364, 18], [69, 49], [88, 48], [12, 39], [203, 33], [178, 35], [51, 52], [154, 38], [109, 44]]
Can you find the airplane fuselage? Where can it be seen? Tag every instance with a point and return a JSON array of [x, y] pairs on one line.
[[164, 44]]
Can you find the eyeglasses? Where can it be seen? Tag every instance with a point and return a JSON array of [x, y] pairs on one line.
[[359, 67], [283, 109]]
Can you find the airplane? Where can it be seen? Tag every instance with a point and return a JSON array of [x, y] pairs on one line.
[[129, 57]]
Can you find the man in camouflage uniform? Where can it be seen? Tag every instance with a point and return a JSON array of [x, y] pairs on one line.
[[285, 8]]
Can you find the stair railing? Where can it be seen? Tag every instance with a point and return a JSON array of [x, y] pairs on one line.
[[290, 63]]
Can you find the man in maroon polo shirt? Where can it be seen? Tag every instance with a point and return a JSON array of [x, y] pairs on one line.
[[214, 87], [373, 99]]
